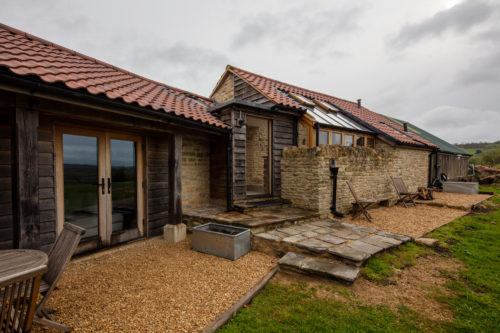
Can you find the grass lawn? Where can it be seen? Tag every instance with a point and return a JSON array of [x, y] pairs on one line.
[[472, 295]]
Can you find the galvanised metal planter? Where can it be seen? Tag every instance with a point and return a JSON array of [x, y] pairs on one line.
[[221, 240]]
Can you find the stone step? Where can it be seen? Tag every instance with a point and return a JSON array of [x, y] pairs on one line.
[[259, 204], [303, 264]]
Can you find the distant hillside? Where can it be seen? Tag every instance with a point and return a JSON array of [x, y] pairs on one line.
[[485, 153], [479, 147]]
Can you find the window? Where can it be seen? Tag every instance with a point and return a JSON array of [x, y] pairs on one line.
[[360, 141], [370, 142], [336, 138], [323, 137], [348, 140]]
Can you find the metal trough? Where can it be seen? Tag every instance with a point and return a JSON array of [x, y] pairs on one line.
[[461, 187], [221, 240]]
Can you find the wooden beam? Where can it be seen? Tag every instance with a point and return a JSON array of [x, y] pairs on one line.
[[25, 147], [175, 180]]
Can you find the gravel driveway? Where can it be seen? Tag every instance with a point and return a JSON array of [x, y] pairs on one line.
[[152, 286]]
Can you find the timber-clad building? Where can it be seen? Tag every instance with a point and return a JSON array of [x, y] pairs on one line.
[[121, 155]]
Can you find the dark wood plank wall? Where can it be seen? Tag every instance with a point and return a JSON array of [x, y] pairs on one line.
[[244, 91], [47, 183], [157, 158], [6, 213], [282, 137]]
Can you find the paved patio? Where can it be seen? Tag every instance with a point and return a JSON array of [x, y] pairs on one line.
[[347, 242]]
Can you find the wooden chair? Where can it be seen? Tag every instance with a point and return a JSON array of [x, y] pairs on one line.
[[405, 196], [59, 256], [361, 204], [18, 296]]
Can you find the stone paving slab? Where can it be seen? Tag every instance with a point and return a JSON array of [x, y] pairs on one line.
[[277, 233], [364, 247], [294, 239], [290, 231], [332, 239], [400, 237], [310, 234], [269, 236], [305, 227], [349, 253], [337, 271], [314, 245], [381, 241]]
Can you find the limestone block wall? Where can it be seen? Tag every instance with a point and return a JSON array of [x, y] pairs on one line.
[[226, 90], [195, 174], [257, 166], [306, 176]]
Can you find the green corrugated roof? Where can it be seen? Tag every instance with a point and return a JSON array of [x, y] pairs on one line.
[[443, 145]]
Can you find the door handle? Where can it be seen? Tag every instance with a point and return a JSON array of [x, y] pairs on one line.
[[109, 185], [102, 184]]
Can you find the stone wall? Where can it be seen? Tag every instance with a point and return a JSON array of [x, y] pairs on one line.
[[307, 183], [257, 154], [226, 90], [195, 174]]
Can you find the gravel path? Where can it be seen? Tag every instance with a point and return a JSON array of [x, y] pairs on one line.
[[412, 221], [152, 286], [456, 200]]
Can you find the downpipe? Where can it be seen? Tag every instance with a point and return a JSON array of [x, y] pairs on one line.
[[334, 171]]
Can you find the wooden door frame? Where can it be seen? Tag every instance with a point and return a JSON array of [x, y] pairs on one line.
[[103, 139]]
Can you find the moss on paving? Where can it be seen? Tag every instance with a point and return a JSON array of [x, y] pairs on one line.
[[474, 296]]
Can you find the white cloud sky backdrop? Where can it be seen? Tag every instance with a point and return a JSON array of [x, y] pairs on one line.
[[435, 63]]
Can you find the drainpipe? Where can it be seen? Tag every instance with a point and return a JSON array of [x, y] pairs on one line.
[[335, 171], [229, 171], [429, 178], [316, 127]]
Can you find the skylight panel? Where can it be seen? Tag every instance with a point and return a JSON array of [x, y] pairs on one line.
[[301, 99], [326, 106]]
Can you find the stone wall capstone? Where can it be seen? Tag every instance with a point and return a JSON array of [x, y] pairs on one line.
[[307, 181]]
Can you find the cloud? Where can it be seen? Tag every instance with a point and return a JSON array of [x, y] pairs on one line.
[[307, 27], [180, 64], [459, 18], [485, 69], [460, 125]]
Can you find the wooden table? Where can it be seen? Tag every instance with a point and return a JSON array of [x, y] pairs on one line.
[[15, 262]]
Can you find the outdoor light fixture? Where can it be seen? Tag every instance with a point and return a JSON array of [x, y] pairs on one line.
[[241, 121]]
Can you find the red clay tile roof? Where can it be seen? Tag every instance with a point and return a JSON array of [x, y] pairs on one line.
[[24, 54], [270, 88]]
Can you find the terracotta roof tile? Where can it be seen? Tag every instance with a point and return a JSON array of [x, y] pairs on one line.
[[24, 54], [270, 88]]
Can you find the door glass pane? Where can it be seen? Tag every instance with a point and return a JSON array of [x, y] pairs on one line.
[[81, 189], [123, 189], [360, 141]]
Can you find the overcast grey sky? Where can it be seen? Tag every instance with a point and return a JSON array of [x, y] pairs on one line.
[[435, 63]]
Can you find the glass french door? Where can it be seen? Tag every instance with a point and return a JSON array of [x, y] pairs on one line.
[[100, 183]]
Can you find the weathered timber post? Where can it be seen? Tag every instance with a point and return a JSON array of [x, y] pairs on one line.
[[175, 230], [25, 148]]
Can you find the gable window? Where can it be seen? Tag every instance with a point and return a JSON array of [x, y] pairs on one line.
[[323, 137], [360, 141], [348, 140], [336, 138]]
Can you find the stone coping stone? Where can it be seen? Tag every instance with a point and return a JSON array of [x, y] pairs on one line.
[[365, 247], [268, 236], [290, 231], [381, 241], [320, 267], [400, 237], [349, 253], [314, 245], [278, 233], [332, 239]]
